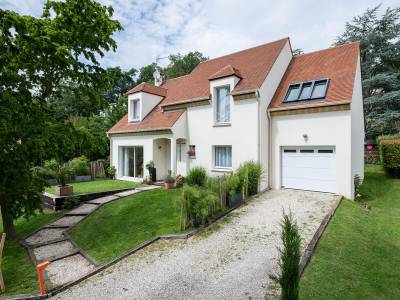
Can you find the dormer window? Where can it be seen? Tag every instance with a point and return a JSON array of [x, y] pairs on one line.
[[135, 110], [222, 105], [308, 90]]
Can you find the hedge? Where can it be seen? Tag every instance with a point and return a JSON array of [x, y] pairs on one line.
[[390, 155]]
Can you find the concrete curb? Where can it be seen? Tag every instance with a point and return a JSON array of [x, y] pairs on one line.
[[309, 251]]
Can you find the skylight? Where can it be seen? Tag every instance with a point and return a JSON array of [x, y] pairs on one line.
[[307, 90]]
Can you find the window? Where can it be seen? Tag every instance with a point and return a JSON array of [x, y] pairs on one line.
[[192, 151], [325, 151], [131, 161], [315, 89], [223, 156], [319, 90], [306, 151], [135, 110], [289, 151], [222, 105]]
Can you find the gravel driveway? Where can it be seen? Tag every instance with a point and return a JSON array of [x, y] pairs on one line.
[[232, 260]]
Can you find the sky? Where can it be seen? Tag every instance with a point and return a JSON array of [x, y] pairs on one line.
[[157, 28]]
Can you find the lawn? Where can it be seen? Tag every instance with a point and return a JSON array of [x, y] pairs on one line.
[[98, 186], [19, 273], [358, 255], [121, 225]]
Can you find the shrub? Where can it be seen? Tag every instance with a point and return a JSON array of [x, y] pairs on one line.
[[233, 184], [390, 154], [80, 165], [71, 202], [111, 172], [250, 174], [357, 184], [169, 179], [64, 174], [51, 164], [45, 173], [197, 176], [382, 138], [150, 165], [198, 206], [289, 263]]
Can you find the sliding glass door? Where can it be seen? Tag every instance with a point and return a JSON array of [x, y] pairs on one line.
[[132, 161]]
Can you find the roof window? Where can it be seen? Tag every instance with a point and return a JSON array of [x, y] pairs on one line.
[[307, 90]]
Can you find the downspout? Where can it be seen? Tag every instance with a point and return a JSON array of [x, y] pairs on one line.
[[269, 148], [258, 126]]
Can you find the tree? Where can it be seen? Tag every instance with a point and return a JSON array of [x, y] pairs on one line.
[[297, 51], [289, 261], [119, 83], [146, 73], [36, 55], [379, 38], [180, 65]]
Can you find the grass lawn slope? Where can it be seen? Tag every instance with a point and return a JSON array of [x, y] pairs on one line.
[[358, 256], [98, 186], [121, 225], [19, 273]]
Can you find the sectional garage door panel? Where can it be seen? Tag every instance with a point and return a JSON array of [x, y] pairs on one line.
[[309, 169]]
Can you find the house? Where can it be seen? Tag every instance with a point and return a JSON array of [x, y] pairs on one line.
[[300, 116]]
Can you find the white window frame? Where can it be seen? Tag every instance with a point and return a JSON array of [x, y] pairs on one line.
[[214, 160], [216, 89], [131, 110]]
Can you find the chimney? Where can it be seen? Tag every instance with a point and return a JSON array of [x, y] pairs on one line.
[[158, 78]]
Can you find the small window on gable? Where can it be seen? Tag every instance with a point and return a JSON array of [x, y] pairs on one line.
[[307, 90], [135, 110]]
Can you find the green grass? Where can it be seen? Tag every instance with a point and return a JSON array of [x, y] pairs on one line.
[[358, 256], [98, 186], [121, 225], [19, 273]]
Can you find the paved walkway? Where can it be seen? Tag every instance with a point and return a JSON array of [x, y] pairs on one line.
[[51, 243], [230, 261]]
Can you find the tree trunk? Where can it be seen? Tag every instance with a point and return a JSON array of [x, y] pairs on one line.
[[8, 224]]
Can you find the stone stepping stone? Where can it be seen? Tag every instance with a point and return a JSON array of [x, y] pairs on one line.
[[127, 193], [103, 199], [67, 221], [45, 235], [86, 208], [149, 187], [52, 251], [68, 269]]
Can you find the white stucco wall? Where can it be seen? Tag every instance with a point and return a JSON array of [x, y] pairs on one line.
[[241, 134], [323, 129], [267, 92], [357, 128], [180, 131], [133, 140]]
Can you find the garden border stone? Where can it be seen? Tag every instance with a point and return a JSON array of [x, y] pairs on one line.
[[310, 249]]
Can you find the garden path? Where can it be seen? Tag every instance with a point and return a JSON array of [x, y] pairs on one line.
[[53, 243]]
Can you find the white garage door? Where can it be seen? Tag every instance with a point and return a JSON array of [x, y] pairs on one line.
[[310, 169]]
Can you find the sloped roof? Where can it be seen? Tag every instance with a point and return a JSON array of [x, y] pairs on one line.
[[148, 88], [338, 64], [226, 71], [254, 65]]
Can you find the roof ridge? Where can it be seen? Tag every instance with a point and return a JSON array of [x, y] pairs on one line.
[[327, 49], [244, 50]]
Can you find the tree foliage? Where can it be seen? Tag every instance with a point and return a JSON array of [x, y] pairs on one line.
[[379, 37], [180, 65], [36, 55]]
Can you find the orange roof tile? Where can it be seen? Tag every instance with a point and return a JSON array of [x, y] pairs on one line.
[[148, 88], [338, 64], [226, 71]]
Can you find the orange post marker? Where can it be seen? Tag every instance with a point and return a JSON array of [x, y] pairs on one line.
[[40, 268]]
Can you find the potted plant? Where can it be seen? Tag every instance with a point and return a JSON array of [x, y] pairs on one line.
[[64, 174], [234, 189], [152, 171], [169, 182]]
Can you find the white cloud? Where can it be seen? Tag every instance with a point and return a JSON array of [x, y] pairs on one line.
[[160, 27]]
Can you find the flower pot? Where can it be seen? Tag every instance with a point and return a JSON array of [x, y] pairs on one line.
[[153, 174], [64, 190], [234, 201], [169, 185]]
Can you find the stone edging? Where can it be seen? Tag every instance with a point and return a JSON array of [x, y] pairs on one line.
[[309, 251], [99, 268]]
